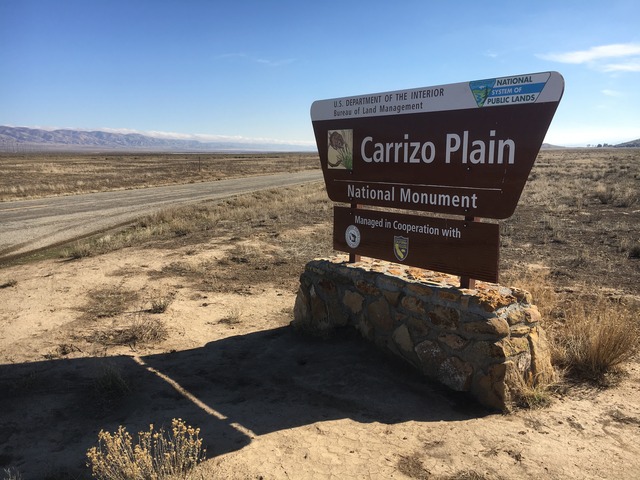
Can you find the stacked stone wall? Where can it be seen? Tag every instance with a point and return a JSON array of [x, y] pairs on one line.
[[484, 341]]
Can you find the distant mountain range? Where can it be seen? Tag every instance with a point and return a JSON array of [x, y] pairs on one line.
[[23, 140], [631, 144]]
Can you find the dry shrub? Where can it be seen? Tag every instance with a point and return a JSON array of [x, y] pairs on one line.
[[160, 303], [535, 280], [590, 336], [598, 336], [529, 393], [232, 318], [412, 467], [79, 250], [618, 194], [111, 383], [155, 456], [110, 388], [140, 331]]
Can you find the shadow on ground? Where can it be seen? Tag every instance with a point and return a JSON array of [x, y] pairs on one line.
[[234, 389]]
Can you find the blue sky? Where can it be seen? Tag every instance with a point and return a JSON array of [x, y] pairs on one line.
[[251, 69]]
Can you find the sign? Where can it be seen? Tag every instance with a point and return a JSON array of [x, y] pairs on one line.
[[458, 247], [463, 149]]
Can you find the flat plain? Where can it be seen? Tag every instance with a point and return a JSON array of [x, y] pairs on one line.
[[185, 314]]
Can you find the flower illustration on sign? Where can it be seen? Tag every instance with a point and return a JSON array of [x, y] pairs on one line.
[[340, 154]]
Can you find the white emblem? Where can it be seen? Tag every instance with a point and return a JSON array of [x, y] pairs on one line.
[[352, 236]]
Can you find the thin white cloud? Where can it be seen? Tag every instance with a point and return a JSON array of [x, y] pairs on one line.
[[611, 93], [276, 63], [627, 54], [261, 61], [616, 50], [630, 66]]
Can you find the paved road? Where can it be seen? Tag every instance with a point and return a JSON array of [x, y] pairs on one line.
[[29, 225]]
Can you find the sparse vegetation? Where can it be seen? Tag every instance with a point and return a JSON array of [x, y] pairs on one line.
[[591, 335], [110, 387], [530, 393], [234, 218], [597, 336], [412, 467], [109, 301], [142, 330], [617, 195], [160, 303], [233, 317], [156, 455], [78, 250], [31, 176]]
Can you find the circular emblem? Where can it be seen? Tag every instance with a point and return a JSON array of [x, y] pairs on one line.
[[352, 235]]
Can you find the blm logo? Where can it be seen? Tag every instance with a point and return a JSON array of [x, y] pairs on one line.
[[481, 90]]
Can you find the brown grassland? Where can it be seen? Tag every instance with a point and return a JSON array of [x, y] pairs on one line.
[[30, 176], [184, 315]]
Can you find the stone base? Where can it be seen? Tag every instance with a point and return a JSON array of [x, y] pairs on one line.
[[483, 341]]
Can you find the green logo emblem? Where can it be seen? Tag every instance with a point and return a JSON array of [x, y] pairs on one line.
[[481, 90]]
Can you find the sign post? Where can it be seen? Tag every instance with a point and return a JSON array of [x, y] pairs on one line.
[[461, 150]]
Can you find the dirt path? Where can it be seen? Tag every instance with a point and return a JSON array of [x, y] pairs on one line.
[[29, 225]]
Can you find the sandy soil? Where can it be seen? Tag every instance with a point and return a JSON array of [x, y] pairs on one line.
[[270, 404]]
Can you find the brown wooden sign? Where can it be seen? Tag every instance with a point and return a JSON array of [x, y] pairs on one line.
[[458, 247], [464, 149]]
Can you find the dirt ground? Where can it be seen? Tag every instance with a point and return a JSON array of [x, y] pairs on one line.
[[81, 350]]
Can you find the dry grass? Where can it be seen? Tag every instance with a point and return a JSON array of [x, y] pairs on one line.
[[31, 176], [579, 216], [591, 335], [120, 304], [233, 317], [412, 467], [142, 330], [266, 213], [156, 455], [530, 393], [598, 336], [160, 302], [110, 388], [109, 302]]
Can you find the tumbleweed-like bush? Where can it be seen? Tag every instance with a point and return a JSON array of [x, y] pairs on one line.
[[157, 455]]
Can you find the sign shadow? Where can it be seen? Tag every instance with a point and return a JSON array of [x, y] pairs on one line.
[[235, 389]]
